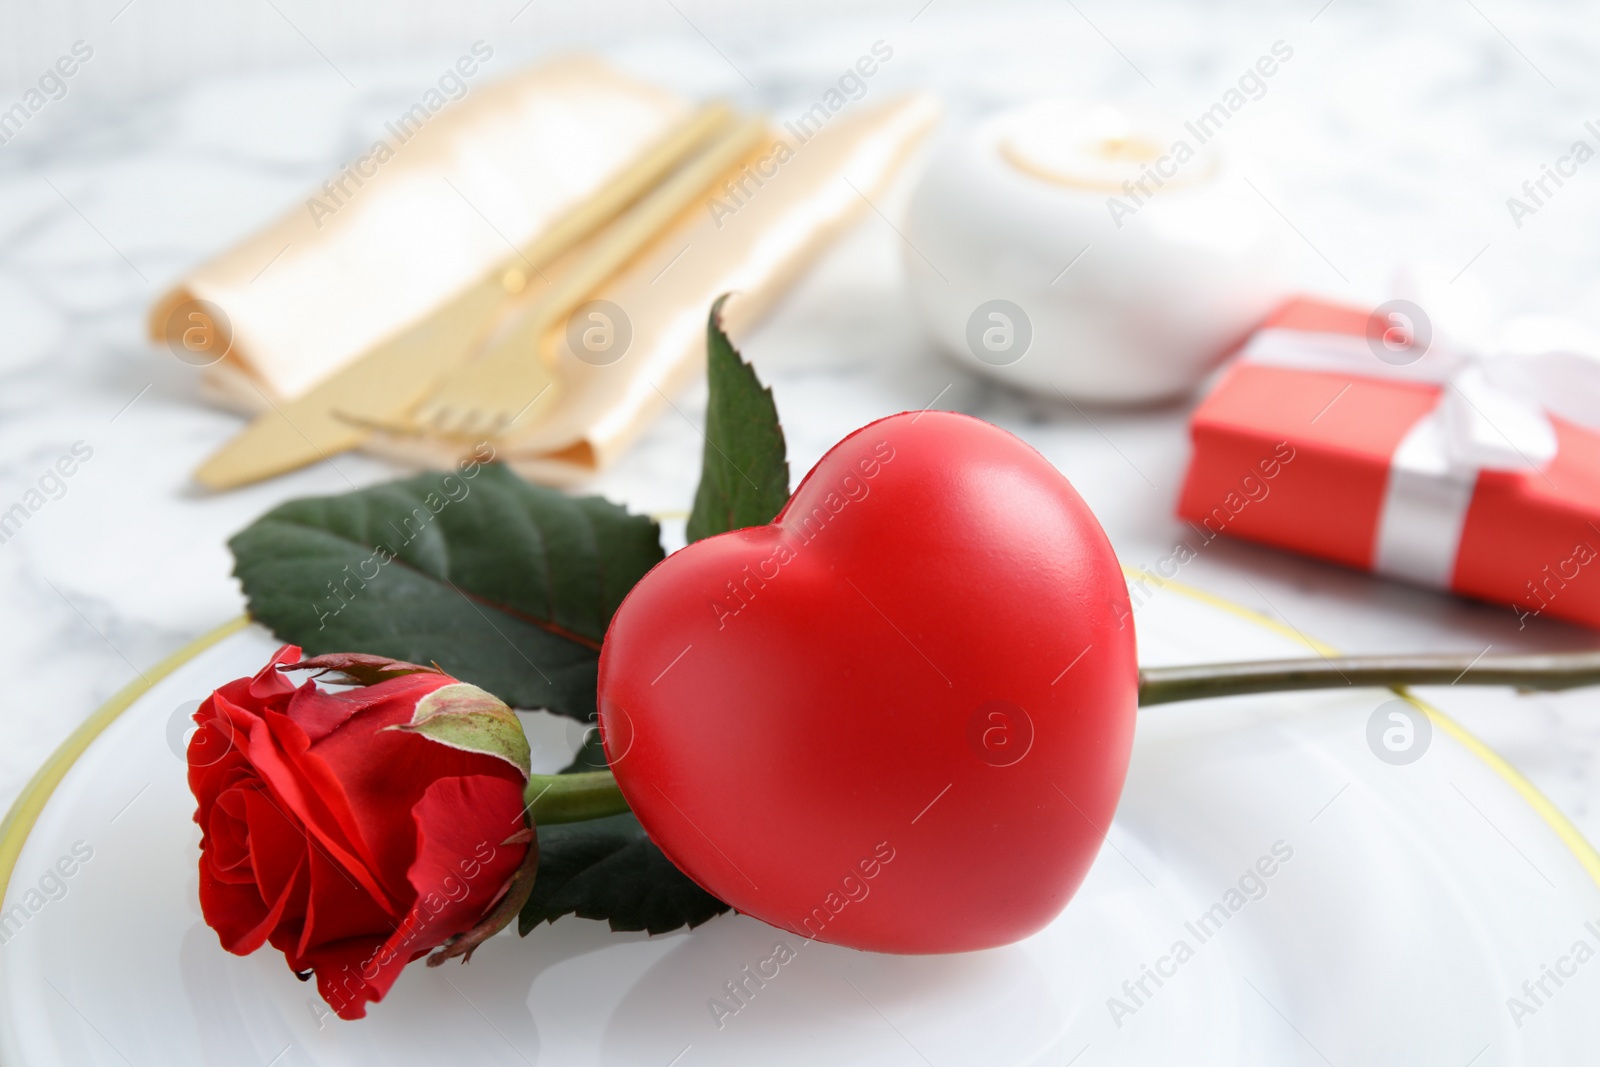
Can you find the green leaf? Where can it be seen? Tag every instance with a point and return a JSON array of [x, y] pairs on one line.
[[505, 585], [608, 869], [744, 477]]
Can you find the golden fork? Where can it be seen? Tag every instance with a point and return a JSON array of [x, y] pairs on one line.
[[484, 398]]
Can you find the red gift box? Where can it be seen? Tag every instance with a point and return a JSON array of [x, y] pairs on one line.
[[1313, 442]]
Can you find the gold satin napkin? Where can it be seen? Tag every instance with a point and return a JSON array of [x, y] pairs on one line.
[[488, 175]]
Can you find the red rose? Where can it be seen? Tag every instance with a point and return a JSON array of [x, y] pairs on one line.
[[358, 830]]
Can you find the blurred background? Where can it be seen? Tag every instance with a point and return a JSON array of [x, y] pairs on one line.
[[1427, 115]]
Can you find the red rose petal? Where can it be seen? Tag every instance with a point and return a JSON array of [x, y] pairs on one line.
[[278, 846], [226, 846], [319, 713], [338, 909], [238, 914], [215, 755], [314, 797], [339, 968], [234, 910], [269, 682], [459, 872], [383, 774]]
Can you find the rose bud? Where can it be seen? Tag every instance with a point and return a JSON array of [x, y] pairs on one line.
[[359, 829]]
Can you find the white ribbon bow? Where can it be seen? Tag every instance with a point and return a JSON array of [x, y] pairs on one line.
[[1493, 414]]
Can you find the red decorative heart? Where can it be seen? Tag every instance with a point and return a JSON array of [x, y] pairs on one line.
[[899, 717]]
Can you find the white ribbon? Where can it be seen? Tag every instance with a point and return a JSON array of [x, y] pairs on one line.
[[1493, 413]]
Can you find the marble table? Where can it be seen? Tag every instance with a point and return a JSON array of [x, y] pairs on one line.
[[1394, 136]]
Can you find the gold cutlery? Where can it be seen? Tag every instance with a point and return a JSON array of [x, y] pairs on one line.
[[486, 396], [380, 386]]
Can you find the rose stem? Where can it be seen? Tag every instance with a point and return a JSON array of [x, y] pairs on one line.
[[558, 798], [1544, 671]]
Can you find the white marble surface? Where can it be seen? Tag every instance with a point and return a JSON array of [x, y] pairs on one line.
[[1394, 135]]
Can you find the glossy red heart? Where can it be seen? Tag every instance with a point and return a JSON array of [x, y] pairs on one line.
[[899, 717]]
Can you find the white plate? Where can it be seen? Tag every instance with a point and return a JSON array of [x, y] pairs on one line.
[[1417, 899]]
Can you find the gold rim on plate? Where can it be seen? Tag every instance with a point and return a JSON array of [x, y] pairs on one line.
[[1552, 816], [25, 810]]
